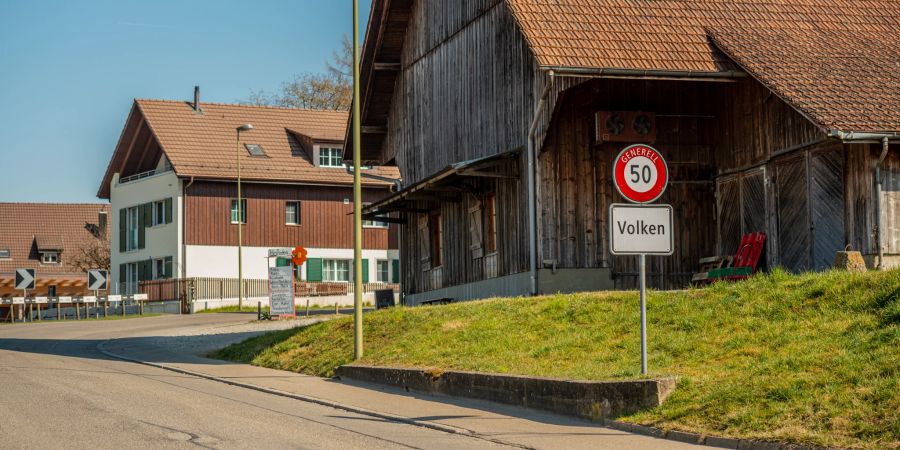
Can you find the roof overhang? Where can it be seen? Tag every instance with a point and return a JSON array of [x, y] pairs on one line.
[[445, 186]]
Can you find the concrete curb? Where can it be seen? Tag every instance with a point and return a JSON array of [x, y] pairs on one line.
[[101, 347], [709, 441]]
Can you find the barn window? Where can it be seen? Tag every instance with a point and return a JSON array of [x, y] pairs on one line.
[[242, 213], [437, 238], [292, 213]]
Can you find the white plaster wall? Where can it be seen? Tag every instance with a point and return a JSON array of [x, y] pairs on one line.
[[161, 241], [221, 261]]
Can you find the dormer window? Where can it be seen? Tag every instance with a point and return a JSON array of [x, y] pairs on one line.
[[4, 253], [50, 258], [331, 157], [255, 149]]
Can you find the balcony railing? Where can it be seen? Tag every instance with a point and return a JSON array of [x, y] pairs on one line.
[[142, 175]]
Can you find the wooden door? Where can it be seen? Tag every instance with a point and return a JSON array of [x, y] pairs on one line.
[[826, 168], [792, 204]]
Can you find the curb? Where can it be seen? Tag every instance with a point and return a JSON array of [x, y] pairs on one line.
[[709, 441], [101, 347]]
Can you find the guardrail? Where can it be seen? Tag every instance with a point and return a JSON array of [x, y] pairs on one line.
[[142, 175], [30, 309]]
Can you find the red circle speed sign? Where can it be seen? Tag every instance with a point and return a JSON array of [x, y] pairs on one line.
[[641, 173]]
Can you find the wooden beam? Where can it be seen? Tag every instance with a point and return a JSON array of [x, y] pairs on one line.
[[373, 130], [386, 67], [144, 152], [478, 173], [134, 137]]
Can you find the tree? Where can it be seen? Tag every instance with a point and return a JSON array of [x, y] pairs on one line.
[[330, 90], [93, 254]]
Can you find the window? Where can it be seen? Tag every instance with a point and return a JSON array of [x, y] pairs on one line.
[[234, 211], [131, 228], [330, 157], [50, 258], [437, 239], [160, 213], [162, 268], [292, 213], [4, 254], [490, 224], [336, 270], [255, 150], [373, 223], [383, 275], [130, 279]]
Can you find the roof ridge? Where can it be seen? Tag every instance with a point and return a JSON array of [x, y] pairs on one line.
[[240, 105]]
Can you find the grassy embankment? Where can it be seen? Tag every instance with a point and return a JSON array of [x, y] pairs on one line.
[[813, 358]]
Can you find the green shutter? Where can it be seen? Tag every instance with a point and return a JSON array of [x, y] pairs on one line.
[[122, 274], [122, 230], [365, 271], [282, 262], [395, 269], [169, 210], [167, 267], [143, 223], [314, 269]]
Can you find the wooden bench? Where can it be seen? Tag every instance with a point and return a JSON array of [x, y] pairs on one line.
[[741, 266]]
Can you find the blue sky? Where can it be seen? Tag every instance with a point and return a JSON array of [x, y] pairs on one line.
[[70, 69]]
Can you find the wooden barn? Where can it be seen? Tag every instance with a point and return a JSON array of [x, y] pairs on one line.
[[504, 118]]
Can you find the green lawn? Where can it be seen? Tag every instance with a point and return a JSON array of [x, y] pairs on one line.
[[812, 358]]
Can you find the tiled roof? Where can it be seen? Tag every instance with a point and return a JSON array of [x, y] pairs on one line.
[[825, 73], [67, 226], [835, 60], [204, 145]]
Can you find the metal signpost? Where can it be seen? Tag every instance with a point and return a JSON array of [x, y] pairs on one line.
[[641, 176]]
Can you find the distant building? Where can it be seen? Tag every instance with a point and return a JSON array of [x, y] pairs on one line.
[[172, 186], [504, 118], [50, 237]]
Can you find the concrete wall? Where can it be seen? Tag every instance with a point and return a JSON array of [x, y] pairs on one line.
[[161, 241], [549, 282]]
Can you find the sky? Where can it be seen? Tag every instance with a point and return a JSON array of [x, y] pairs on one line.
[[69, 71]]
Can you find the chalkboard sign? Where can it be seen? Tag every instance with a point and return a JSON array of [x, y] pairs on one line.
[[384, 298]]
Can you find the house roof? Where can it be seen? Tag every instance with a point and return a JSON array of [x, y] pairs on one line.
[[835, 60], [203, 145], [26, 228]]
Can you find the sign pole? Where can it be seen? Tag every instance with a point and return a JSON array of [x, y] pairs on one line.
[[357, 197], [643, 314]]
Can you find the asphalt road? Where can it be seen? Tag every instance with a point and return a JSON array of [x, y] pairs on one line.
[[59, 391]]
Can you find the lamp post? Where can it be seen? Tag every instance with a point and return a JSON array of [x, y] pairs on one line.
[[357, 198], [240, 216]]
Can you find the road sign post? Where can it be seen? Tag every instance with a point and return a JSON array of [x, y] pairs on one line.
[[641, 176]]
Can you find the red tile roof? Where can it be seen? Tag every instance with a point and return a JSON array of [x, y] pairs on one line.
[[203, 145], [67, 226], [827, 57]]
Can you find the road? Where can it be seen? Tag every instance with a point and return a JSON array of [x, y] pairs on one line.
[[60, 391]]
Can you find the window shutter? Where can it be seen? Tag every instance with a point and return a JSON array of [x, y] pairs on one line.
[[424, 243], [282, 262], [143, 222], [167, 270], [123, 276], [395, 269], [314, 269], [143, 267], [122, 230], [169, 210], [365, 271], [476, 231]]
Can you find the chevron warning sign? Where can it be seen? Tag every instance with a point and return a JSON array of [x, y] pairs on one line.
[[97, 280], [24, 278]]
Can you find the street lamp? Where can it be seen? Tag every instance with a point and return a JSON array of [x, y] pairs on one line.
[[240, 216]]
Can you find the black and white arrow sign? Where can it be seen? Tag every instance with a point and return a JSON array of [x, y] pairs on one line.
[[97, 280], [24, 278]]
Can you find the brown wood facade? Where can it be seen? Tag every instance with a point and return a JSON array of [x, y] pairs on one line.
[[326, 221]]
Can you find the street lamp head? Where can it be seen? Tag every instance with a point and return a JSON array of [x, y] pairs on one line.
[[245, 127]]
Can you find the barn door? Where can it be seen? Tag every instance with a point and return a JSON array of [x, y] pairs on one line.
[[827, 206], [793, 214], [741, 207]]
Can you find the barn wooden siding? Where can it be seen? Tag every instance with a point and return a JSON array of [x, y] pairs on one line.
[[326, 222]]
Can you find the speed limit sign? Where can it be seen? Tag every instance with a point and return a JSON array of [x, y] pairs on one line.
[[641, 174]]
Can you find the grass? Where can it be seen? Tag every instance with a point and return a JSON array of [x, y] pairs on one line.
[[812, 358], [301, 309]]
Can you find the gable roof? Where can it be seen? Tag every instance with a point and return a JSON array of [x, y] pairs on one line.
[[26, 228], [203, 145], [828, 58]]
